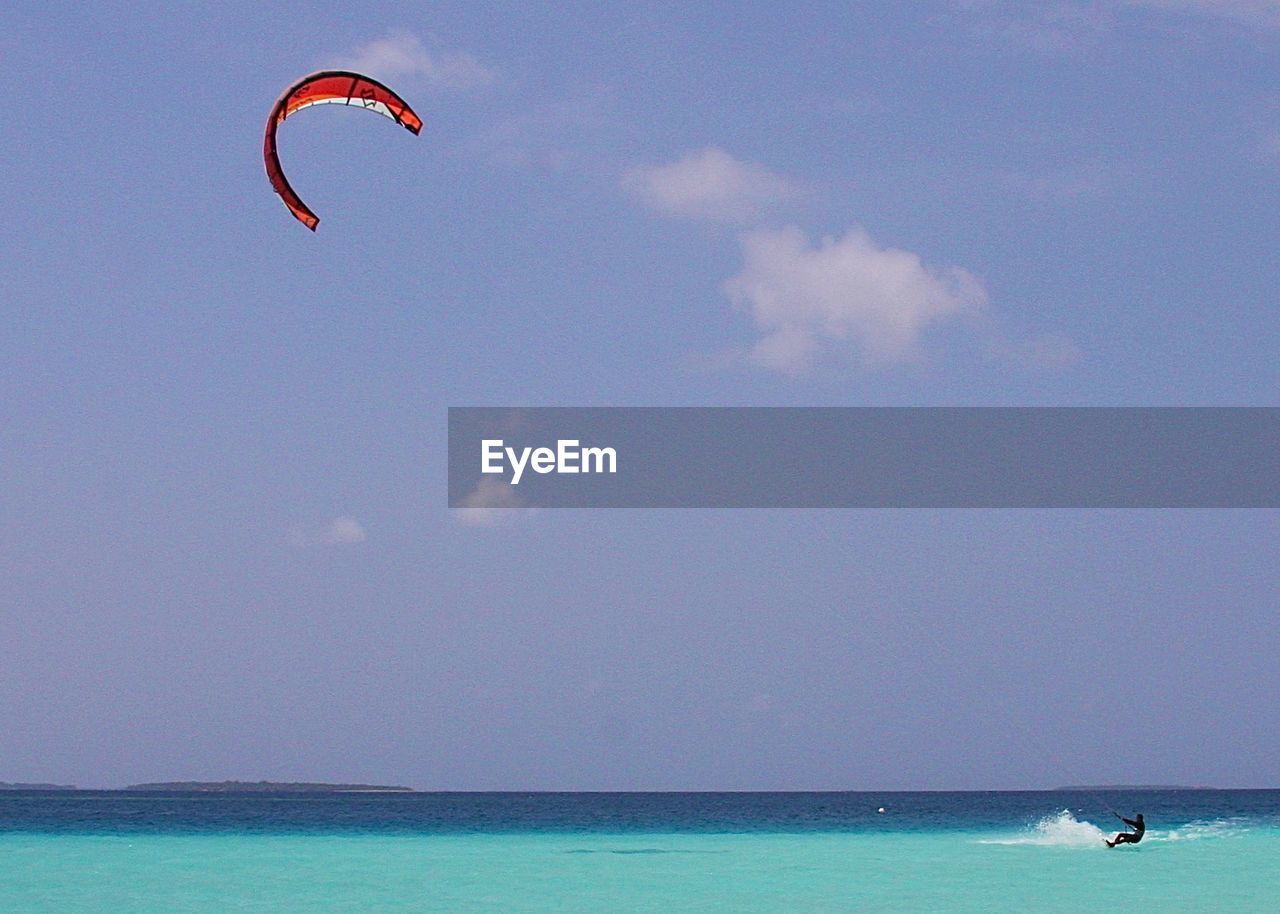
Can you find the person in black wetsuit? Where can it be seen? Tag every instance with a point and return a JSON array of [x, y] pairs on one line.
[[1129, 837]]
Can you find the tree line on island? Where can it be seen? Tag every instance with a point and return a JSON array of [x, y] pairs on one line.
[[267, 787], [227, 787], [21, 785]]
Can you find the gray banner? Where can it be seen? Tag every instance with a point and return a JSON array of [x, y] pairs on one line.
[[864, 457]]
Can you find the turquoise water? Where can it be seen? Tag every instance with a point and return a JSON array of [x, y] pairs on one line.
[[927, 852]]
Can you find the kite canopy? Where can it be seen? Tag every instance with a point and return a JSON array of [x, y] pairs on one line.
[[328, 87]]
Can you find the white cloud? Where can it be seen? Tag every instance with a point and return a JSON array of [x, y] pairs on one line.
[[709, 184], [843, 294], [341, 531], [493, 503], [402, 55]]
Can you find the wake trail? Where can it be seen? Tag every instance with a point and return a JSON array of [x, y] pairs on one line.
[[1063, 829]]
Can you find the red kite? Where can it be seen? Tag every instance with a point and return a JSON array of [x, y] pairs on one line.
[[328, 87]]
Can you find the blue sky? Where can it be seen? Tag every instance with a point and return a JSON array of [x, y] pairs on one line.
[[224, 545]]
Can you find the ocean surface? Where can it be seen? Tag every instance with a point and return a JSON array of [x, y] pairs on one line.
[[82, 851]]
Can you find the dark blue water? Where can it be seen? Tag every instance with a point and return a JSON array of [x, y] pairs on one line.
[[122, 812]]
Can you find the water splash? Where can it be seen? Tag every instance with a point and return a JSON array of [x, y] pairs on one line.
[[1060, 830]]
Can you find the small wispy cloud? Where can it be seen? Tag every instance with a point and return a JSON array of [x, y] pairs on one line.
[[1073, 25], [844, 294], [1039, 27], [566, 134], [1049, 352], [1065, 184], [1267, 148], [341, 531], [402, 55], [710, 184], [1259, 13], [494, 503]]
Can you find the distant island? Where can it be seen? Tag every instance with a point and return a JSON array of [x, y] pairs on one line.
[[1132, 787], [267, 787], [10, 785]]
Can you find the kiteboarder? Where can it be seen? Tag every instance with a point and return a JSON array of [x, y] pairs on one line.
[[1129, 837]]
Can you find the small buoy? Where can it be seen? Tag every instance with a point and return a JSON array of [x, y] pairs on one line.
[[880, 810]]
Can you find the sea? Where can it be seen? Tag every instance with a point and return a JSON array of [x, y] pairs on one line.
[[121, 852]]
